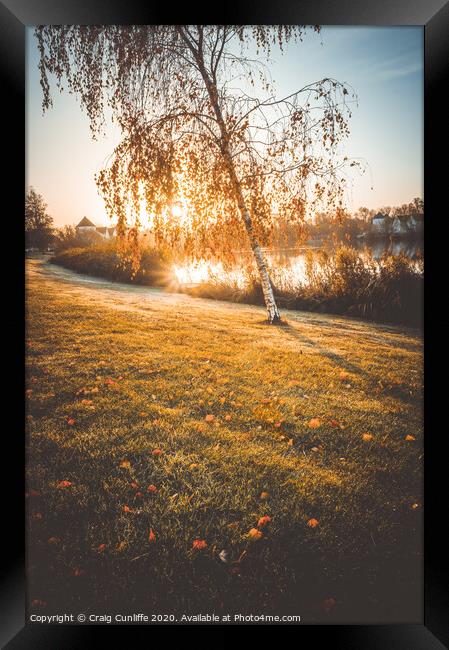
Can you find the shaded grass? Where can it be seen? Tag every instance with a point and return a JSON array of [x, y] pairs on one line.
[[173, 361]]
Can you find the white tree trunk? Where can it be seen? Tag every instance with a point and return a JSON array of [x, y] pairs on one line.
[[270, 302]]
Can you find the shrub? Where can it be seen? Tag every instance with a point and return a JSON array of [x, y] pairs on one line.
[[103, 260], [348, 282]]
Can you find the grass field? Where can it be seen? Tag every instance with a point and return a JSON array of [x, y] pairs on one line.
[[158, 422]]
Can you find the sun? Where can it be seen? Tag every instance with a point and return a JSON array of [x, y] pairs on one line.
[[178, 210]]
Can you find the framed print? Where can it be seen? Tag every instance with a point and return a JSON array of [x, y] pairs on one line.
[[232, 417]]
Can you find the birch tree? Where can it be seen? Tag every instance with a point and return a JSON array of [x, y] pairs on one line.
[[202, 127]]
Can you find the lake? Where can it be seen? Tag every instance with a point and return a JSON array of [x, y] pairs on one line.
[[288, 264]]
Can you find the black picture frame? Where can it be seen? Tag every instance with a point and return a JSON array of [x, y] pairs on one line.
[[15, 15]]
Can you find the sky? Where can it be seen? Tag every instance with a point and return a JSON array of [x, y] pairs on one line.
[[384, 65]]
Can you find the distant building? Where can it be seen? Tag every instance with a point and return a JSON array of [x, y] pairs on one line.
[[416, 223], [380, 224], [400, 225], [86, 226]]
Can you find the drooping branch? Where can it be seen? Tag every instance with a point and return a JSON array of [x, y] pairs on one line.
[[163, 85]]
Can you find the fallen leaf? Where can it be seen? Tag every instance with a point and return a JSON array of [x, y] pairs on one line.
[[77, 572], [409, 437], [126, 509], [64, 484], [209, 417], [152, 488], [71, 422], [134, 485], [264, 495], [156, 452], [151, 536], [255, 534], [313, 523], [329, 603], [125, 464], [314, 423], [101, 548], [343, 375], [367, 437], [121, 546], [53, 540], [199, 544], [228, 418], [263, 521]]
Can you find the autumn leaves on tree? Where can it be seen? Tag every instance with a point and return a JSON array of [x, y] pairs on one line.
[[201, 126]]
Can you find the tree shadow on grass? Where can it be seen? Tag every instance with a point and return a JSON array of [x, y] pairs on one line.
[[332, 356]]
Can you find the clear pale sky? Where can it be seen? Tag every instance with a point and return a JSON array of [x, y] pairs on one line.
[[384, 65]]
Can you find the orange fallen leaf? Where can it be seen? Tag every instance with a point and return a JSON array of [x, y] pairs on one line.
[[156, 452], [71, 422], [193, 465], [86, 402], [152, 488], [199, 544], [228, 418], [209, 417], [290, 443], [125, 464], [263, 521], [101, 548], [143, 414], [343, 375], [64, 484], [409, 437], [367, 437], [126, 509], [54, 540], [329, 603], [134, 485], [264, 495], [313, 523], [314, 423], [334, 423], [78, 572], [414, 506], [121, 546], [255, 534], [151, 536]]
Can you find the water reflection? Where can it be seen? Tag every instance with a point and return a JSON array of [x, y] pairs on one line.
[[288, 265]]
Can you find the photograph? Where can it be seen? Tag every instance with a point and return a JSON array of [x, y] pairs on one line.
[[224, 252]]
